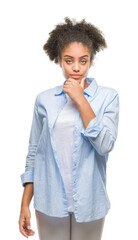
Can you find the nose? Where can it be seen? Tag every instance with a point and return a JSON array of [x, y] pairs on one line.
[[76, 67]]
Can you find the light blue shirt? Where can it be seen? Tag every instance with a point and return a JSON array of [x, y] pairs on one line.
[[90, 153]]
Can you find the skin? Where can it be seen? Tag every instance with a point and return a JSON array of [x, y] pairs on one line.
[[77, 64], [25, 214], [74, 88], [74, 63]]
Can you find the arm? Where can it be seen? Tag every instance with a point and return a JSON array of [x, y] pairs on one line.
[[101, 130], [27, 177], [35, 133], [27, 195], [25, 214], [86, 112]]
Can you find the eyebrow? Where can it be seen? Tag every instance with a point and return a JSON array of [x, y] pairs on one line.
[[72, 57]]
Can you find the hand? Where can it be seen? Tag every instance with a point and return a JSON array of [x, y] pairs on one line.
[[74, 89], [24, 222]]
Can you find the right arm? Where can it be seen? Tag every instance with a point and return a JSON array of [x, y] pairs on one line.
[[27, 195], [36, 129], [25, 215], [27, 177]]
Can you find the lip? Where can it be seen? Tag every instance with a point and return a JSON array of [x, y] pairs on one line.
[[75, 76]]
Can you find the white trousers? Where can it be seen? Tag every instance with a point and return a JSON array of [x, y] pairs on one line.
[[66, 228]]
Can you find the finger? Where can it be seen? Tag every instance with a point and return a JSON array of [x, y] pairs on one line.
[[28, 224], [82, 82], [83, 79], [23, 231], [66, 87], [67, 83], [23, 228], [29, 233], [71, 80]]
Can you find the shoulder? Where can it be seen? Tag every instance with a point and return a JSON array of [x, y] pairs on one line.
[[46, 94], [108, 92], [107, 95]]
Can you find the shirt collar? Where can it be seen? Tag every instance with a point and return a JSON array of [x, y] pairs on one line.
[[90, 90]]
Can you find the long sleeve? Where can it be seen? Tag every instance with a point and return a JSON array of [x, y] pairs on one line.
[[103, 129], [36, 129]]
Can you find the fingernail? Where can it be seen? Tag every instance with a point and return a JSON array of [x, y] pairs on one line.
[[28, 227]]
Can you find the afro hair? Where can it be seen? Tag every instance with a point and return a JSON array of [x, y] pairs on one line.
[[73, 31]]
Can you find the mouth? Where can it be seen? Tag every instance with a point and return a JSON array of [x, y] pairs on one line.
[[76, 76]]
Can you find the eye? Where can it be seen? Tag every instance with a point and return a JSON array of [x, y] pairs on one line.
[[84, 61], [68, 61]]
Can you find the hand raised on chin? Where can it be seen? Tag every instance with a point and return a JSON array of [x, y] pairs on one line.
[[74, 89]]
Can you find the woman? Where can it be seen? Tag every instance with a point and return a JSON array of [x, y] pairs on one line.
[[73, 130]]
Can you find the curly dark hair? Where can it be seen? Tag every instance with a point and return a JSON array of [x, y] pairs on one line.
[[73, 31]]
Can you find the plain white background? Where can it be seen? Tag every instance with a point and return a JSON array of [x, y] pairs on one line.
[[26, 70]]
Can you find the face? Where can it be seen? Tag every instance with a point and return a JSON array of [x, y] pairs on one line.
[[75, 61]]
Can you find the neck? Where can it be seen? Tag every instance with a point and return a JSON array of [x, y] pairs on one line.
[[86, 84]]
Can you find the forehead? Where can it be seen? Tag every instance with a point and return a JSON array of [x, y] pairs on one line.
[[75, 49]]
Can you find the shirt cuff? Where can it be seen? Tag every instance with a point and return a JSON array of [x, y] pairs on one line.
[[27, 176], [93, 128]]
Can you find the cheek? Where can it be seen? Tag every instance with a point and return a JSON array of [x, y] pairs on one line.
[[64, 71], [86, 71]]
